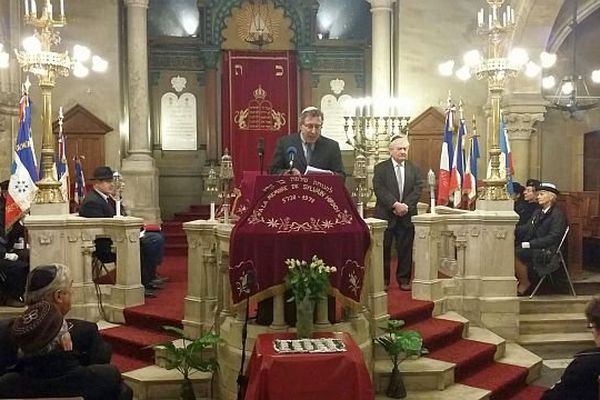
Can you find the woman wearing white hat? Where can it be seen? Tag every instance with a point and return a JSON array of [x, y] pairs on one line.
[[543, 232]]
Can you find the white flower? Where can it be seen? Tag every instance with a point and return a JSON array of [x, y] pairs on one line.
[[333, 269]]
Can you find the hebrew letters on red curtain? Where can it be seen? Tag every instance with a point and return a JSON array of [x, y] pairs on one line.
[[260, 100]]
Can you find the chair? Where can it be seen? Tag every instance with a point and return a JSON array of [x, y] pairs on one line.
[[561, 261]]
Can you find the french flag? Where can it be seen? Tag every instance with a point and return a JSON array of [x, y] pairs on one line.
[[506, 161], [456, 175], [443, 194], [470, 178]]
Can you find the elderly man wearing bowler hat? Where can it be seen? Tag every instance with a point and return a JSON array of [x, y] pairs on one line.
[[544, 231], [98, 203]]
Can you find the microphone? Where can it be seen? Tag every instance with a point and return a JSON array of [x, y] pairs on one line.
[[291, 153], [260, 147]]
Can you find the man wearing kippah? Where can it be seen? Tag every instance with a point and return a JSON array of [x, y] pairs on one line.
[[48, 366], [306, 151], [52, 283]]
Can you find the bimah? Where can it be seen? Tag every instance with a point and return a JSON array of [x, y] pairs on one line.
[[298, 217]]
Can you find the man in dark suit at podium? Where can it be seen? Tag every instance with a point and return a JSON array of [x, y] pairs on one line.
[[307, 151], [397, 186]]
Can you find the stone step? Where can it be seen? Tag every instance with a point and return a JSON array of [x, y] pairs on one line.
[[156, 383], [554, 304], [557, 345], [456, 391], [552, 323], [419, 374], [521, 357], [486, 336]]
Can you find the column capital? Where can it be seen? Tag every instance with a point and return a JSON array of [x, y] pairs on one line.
[[136, 3], [307, 58], [520, 124], [381, 4]]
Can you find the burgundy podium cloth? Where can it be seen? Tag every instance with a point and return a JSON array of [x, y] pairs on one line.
[[312, 376], [298, 217]]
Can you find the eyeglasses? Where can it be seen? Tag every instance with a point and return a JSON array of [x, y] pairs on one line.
[[311, 127]]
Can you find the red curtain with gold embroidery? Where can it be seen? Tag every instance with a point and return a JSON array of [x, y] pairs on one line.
[[260, 100]]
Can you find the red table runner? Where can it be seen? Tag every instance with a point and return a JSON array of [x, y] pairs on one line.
[[298, 217], [311, 376]]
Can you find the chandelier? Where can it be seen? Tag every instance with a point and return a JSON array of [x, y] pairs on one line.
[[572, 94]]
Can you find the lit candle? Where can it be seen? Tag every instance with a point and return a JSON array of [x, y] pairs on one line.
[[33, 8], [49, 9], [504, 18], [212, 210], [60, 112], [490, 21], [480, 18], [62, 8], [360, 209], [26, 8]]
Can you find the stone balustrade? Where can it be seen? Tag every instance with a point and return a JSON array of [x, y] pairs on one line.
[[464, 262], [69, 239]]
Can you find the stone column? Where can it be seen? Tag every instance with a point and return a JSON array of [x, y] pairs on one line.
[[138, 167], [381, 11], [9, 84], [210, 59], [521, 112], [520, 130], [306, 60]]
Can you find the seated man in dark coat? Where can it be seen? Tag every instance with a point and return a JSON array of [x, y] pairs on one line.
[[544, 231], [526, 206], [52, 283], [49, 367], [98, 203], [580, 379], [13, 268]]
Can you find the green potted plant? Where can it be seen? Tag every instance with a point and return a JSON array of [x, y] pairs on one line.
[[308, 283], [399, 344], [188, 358]]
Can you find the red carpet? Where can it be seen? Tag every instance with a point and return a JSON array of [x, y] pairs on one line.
[[144, 323], [475, 365]]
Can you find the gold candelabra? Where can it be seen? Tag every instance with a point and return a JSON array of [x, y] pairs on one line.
[[370, 137], [496, 69], [47, 65]]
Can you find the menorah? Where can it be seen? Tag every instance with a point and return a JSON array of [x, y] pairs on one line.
[[370, 137]]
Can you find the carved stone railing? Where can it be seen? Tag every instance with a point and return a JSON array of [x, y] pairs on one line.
[[208, 302], [464, 262], [69, 239]]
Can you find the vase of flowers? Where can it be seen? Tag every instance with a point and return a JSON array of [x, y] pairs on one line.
[[308, 282]]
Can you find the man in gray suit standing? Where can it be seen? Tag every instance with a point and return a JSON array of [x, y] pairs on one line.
[[397, 186]]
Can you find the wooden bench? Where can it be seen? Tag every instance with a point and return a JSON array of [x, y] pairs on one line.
[[583, 214]]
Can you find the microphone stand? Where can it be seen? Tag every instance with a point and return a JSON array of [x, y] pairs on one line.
[[242, 379], [261, 157]]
